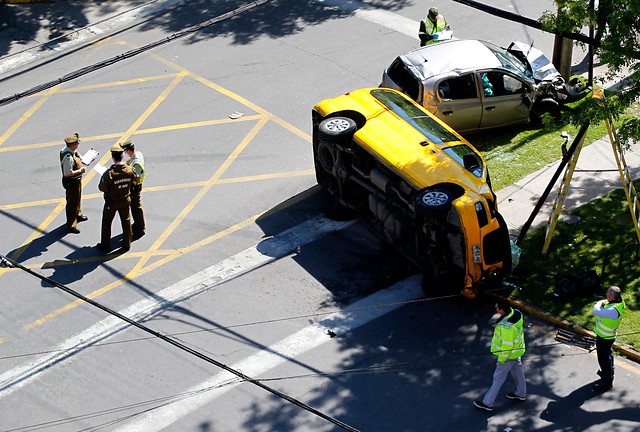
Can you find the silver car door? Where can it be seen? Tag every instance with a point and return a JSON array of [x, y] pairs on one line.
[[504, 99], [457, 103]]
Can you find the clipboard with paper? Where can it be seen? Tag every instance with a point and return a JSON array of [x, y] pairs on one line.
[[89, 156]]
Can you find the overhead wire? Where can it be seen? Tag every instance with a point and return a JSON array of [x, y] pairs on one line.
[[382, 368], [162, 401], [179, 345], [65, 35], [269, 321], [396, 367], [96, 66], [166, 337]]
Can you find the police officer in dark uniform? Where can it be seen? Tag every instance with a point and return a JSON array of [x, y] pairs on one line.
[[136, 162], [72, 170], [116, 184]]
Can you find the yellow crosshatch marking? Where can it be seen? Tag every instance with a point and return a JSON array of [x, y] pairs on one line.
[[141, 265]]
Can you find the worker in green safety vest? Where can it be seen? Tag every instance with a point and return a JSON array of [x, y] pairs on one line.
[[433, 23], [508, 344], [609, 313]]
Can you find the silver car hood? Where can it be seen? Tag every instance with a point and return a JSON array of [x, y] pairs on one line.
[[542, 68]]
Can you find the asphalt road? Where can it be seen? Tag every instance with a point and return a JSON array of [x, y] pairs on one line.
[[239, 263]]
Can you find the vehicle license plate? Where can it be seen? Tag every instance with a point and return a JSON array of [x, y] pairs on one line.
[[477, 258]]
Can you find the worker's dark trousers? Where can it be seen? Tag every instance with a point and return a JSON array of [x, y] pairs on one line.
[[605, 359]]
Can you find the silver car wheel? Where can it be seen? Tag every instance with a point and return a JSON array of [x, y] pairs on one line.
[[435, 198], [337, 124]]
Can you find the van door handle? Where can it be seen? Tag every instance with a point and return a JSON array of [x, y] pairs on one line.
[[447, 113], [490, 108]]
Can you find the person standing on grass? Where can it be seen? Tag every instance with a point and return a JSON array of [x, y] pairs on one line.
[[508, 345]]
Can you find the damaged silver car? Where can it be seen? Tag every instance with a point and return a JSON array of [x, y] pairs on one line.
[[474, 85]]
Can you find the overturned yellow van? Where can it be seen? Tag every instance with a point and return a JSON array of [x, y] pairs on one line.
[[416, 182]]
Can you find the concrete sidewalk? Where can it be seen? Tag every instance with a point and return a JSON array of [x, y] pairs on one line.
[[34, 31], [517, 202]]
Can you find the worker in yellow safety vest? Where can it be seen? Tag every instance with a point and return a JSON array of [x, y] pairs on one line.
[[508, 344], [433, 23], [609, 313]]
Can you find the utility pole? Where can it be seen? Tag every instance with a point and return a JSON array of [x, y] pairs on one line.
[[562, 54]]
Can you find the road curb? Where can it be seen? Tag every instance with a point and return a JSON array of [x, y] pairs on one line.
[[627, 351]]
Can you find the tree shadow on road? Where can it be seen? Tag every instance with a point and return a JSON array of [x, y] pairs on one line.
[[567, 414], [273, 19], [22, 24]]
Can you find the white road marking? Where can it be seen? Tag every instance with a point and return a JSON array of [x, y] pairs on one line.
[[265, 252], [382, 17], [360, 313]]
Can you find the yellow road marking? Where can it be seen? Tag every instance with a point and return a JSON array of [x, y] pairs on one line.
[[129, 277], [119, 83], [16, 255], [180, 251], [251, 105], [166, 187], [137, 132], [236, 97], [232, 157], [138, 122], [139, 268], [28, 114]]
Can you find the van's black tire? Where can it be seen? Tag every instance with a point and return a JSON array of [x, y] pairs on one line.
[[338, 130], [437, 199]]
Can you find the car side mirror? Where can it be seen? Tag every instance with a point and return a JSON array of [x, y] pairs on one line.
[[469, 161]]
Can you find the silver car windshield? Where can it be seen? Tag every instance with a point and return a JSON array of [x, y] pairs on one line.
[[509, 61], [427, 126]]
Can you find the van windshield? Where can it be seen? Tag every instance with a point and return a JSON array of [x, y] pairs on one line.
[[407, 111], [465, 156]]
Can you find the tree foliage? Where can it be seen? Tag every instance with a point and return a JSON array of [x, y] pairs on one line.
[[617, 26]]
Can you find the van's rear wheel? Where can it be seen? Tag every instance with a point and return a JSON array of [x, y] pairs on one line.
[[337, 130]]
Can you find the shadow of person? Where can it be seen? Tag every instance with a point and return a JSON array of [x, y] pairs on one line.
[[41, 244], [79, 262], [566, 413]]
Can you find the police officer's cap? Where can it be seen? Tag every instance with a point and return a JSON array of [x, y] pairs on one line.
[[433, 12], [72, 139], [116, 149], [127, 145]]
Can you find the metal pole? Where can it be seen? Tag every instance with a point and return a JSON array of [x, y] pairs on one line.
[[545, 194], [590, 76]]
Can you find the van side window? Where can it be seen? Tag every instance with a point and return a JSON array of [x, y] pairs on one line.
[[404, 79], [462, 87]]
